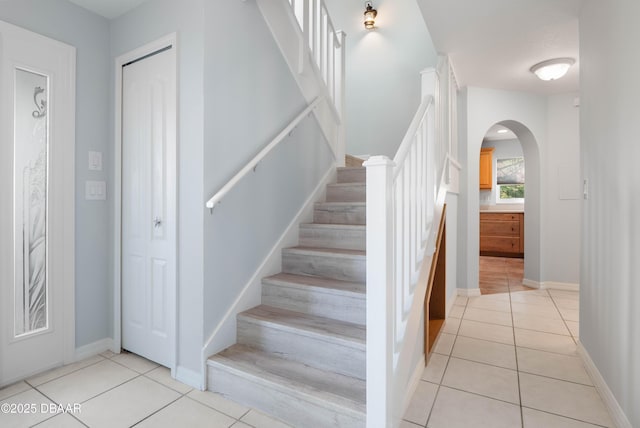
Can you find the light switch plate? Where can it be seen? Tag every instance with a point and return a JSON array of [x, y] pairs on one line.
[[95, 161], [96, 190]]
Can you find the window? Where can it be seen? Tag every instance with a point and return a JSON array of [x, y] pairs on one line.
[[510, 180]]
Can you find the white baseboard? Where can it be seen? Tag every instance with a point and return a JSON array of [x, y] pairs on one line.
[[531, 284], [451, 301], [224, 335], [94, 348], [414, 381], [189, 377], [469, 292], [615, 411], [551, 285]]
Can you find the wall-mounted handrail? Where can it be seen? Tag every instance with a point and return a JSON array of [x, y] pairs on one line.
[[215, 199]]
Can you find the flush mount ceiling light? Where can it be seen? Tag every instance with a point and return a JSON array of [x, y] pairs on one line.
[[502, 131], [370, 16], [552, 69]]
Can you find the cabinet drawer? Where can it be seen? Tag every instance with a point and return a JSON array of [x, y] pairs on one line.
[[500, 244], [500, 216], [500, 228]]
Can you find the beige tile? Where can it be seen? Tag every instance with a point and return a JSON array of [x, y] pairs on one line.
[[456, 311], [86, 383], [127, 404], [547, 325], [492, 332], [451, 325], [574, 328], [407, 424], [545, 341], [529, 290], [563, 398], [563, 294], [219, 403], [483, 351], [435, 368], [187, 413], [570, 314], [531, 299], [563, 367], [240, 425], [444, 344], [64, 370], [461, 301], [459, 409], [25, 418], [537, 419], [13, 389], [491, 317], [108, 354], [134, 362], [63, 420], [567, 303], [493, 302], [260, 420], [483, 379], [543, 311], [163, 375], [421, 403]]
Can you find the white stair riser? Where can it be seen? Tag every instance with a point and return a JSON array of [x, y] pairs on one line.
[[283, 403], [346, 193], [320, 352], [328, 266], [346, 239], [350, 175], [309, 300], [340, 215]]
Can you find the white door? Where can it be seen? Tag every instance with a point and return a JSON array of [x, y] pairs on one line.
[[149, 206], [37, 116]]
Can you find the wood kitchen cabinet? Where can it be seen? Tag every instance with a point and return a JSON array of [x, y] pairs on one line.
[[502, 234], [486, 168]]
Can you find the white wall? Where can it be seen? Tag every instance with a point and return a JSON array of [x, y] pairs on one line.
[[503, 149], [561, 191], [609, 129], [150, 21], [383, 72], [89, 33]]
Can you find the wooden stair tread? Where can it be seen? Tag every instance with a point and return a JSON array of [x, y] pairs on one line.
[[319, 385], [326, 284], [331, 330]]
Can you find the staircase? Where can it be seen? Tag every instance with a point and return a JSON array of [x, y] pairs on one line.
[[301, 355]]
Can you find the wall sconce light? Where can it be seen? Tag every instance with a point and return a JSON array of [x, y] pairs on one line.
[[370, 16], [552, 69]]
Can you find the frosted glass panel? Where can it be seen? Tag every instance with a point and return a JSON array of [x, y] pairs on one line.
[[30, 201]]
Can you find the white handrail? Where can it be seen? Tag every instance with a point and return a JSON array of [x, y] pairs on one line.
[[211, 203]]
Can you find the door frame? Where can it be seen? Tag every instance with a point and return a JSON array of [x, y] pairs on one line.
[[63, 131], [169, 40]]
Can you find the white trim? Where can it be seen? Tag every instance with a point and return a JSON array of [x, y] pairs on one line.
[[566, 286], [450, 303], [94, 348], [170, 39], [469, 292], [414, 381], [224, 335], [188, 377], [615, 411], [532, 284]]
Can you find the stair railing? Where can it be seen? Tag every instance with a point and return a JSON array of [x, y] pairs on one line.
[[405, 199], [315, 53]]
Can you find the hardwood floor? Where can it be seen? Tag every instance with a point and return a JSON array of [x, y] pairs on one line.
[[501, 275]]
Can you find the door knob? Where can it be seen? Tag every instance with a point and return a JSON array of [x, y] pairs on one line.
[[157, 222]]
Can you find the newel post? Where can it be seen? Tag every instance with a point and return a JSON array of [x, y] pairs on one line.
[[380, 295]]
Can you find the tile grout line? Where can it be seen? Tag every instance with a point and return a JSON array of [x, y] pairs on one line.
[[515, 350]]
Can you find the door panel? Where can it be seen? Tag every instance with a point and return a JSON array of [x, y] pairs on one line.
[[37, 115], [148, 207]]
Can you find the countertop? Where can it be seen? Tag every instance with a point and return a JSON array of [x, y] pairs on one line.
[[505, 208]]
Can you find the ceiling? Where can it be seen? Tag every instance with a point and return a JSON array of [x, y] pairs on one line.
[[494, 43], [108, 8]]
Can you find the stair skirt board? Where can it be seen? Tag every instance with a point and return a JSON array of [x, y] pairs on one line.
[[301, 355]]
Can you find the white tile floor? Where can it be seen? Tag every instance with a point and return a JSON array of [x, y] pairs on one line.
[[508, 360], [122, 391]]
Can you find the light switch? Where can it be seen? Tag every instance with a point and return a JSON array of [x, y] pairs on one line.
[[96, 190], [95, 161]]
